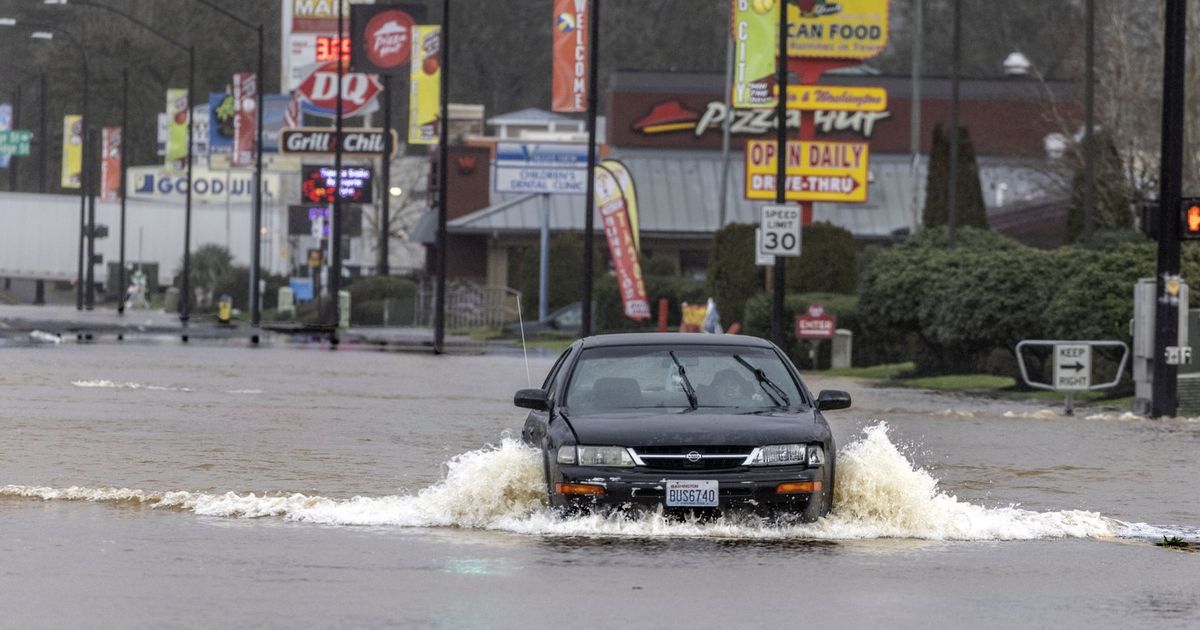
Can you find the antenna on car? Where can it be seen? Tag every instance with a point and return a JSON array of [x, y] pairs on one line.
[[524, 350]]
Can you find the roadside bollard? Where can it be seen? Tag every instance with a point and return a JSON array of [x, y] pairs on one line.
[[224, 309]]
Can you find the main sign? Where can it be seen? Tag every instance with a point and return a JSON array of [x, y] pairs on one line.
[[541, 168], [816, 171], [837, 29], [1072, 366], [364, 142], [780, 227]]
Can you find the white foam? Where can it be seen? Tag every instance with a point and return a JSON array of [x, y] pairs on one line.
[[1041, 414], [106, 384], [879, 494]]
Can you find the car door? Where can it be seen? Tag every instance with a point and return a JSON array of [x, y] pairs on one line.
[[537, 423]]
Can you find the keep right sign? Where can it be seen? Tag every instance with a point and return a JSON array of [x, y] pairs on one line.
[[1072, 366]]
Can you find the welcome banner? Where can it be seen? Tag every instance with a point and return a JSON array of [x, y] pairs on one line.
[[570, 56]]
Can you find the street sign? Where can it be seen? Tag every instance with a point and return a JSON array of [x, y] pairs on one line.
[[362, 142], [545, 168], [816, 171], [815, 323], [780, 227], [1072, 367], [761, 259], [15, 142]]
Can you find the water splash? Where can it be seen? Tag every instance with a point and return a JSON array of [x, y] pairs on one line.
[[106, 384], [879, 493]]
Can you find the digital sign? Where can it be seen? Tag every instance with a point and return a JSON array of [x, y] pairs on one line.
[[317, 185], [328, 46]]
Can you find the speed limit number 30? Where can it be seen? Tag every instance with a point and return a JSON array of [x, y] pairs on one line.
[[780, 231]]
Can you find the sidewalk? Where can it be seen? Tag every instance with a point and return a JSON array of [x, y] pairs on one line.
[[20, 320]]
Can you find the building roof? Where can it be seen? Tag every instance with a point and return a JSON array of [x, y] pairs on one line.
[[678, 197], [530, 115]]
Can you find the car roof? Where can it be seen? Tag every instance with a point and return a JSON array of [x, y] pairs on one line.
[[674, 339]]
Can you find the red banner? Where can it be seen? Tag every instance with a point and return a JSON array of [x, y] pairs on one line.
[[110, 164], [614, 216], [570, 56], [245, 118]]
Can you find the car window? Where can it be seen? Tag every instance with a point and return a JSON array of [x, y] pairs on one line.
[[648, 377], [554, 370]]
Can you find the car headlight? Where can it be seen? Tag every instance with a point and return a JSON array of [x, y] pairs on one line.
[[607, 456], [780, 454]]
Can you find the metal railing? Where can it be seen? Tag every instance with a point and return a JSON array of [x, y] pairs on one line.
[[468, 305]]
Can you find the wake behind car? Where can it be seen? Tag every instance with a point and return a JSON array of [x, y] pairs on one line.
[[707, 424]]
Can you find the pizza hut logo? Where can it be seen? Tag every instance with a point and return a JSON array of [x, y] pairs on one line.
[[466, 164], [388, 38]]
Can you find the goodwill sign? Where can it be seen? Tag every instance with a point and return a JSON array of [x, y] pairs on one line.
[[153, 183]]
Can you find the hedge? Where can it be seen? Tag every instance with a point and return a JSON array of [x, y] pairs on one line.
[[610, 314], [953, 309], [733, 277]]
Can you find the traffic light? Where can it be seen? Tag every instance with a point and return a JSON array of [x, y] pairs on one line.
[[1190, 213]]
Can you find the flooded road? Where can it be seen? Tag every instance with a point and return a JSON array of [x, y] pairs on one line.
[[159, 485]]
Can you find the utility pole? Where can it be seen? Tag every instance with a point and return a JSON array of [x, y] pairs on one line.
[[781, 79], [956, 69], [1089, 138], [439, 314], [1164, 394], [589, 204], [915, 104]]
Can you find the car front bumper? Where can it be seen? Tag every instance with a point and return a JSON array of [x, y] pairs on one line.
[[747, 489]]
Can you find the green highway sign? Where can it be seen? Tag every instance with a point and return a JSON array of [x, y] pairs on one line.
[[15, 142]]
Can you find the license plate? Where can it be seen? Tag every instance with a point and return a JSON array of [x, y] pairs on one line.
[[692, 493]]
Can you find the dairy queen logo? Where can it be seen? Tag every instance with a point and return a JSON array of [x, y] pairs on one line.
[[319, 89], [388, 39]]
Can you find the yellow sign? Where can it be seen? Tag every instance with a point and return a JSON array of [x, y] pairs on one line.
[[816, 171], [836, 98], [837, 29], [755, 36], [425, 86], [72, 152]]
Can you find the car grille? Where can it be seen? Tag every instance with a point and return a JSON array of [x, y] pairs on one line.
[[676, 457]]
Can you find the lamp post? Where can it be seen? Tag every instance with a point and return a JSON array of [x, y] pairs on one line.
[[83, 188], [256, 220], [16, 115], [185, 302]]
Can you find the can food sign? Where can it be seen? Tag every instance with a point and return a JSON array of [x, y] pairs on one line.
[[815, 323], [320, 88]]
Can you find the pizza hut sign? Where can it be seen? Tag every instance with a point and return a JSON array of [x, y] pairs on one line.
[[815, 323], [319, 91], [382, 37]]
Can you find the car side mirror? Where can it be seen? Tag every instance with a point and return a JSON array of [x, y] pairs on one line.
[[532, 399], [831, 399]]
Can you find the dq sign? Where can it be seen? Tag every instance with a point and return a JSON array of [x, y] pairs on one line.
[[319, 90]]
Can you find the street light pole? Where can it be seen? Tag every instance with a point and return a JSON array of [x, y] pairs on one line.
[[256, 219], [184, 297], [83, 121], [778, 287], [589, 204], [120, 286], [439, 314]]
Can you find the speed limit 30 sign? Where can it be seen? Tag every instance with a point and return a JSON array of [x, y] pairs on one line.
[[780, 231]]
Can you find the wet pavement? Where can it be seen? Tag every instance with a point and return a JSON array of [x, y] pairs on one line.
[[156, 484]]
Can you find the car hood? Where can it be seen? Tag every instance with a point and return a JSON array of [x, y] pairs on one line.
[[701, 427]]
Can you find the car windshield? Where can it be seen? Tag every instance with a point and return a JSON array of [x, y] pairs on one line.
[[679, 377]]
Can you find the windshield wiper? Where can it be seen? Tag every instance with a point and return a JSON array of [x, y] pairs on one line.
[[765, 382], [687, 385]]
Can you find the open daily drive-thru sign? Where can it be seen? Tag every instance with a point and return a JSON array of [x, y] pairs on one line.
[[816, 171]]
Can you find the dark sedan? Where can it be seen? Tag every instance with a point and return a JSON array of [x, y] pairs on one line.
[[694, 423]]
